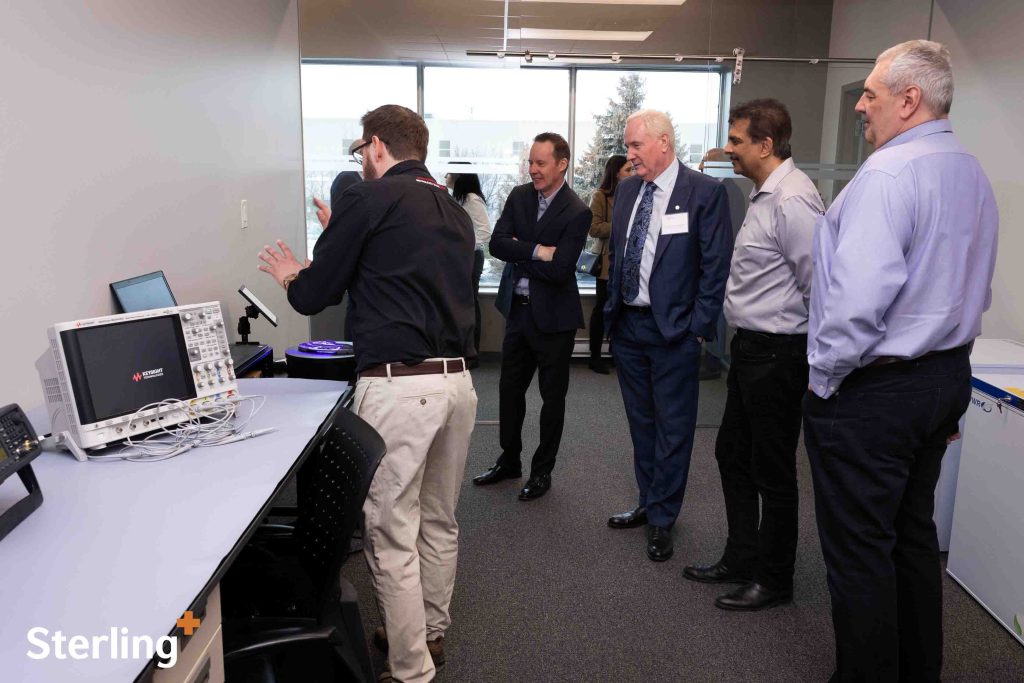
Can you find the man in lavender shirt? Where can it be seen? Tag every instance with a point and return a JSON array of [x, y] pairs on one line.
[[903, 264]]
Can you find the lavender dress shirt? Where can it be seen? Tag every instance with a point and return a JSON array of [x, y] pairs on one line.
[[903, 259]]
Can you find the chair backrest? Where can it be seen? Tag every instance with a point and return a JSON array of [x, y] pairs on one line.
[[332, 490]]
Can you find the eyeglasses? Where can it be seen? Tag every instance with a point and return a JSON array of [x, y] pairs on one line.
[[357, 155]]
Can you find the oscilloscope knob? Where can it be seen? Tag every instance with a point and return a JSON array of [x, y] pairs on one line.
[[186, 316]]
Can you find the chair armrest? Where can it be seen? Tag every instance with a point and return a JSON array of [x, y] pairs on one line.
[[257, 643]]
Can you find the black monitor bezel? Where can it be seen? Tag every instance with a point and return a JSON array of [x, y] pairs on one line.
[[116, 287]]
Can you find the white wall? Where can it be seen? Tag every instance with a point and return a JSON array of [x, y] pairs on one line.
[[863, 28], [984, 39], [129, 132]]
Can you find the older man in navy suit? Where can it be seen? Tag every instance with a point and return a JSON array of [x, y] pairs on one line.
[[669, 257]]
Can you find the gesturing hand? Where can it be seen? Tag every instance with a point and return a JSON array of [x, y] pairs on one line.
[[280, 264], [323, 212]]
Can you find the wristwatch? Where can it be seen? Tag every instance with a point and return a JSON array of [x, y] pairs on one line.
[[288, 280]]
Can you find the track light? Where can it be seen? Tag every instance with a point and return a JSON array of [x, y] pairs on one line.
[[501, 54], [616, 58], [552, 55], [528, 57]]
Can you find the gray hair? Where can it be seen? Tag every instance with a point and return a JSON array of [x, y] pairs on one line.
[[923, 63], [657, 124]]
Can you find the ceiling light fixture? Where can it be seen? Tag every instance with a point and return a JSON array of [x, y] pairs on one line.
[[612, 2], [527, 57], [577, 34], [616, 58], [552, 55]]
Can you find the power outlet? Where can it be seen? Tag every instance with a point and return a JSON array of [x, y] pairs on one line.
[[245, 214]]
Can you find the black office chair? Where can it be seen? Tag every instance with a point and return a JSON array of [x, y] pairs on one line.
[[284, 598]]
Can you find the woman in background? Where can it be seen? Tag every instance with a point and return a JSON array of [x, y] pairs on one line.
[[615, 169], [466, 190]]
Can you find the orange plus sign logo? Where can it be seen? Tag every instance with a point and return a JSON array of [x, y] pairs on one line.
[[188, 623]]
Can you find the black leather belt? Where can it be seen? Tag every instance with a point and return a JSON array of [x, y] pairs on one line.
[[889, 360], [427, 367], [641, 310]]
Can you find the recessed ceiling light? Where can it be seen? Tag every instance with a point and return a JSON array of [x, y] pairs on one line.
[[613, 2], [571, 34]]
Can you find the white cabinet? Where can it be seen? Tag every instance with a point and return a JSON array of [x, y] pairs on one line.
[[986, 553], [987, 356]]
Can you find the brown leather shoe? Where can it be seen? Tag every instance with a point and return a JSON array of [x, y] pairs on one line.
[[435, 647]]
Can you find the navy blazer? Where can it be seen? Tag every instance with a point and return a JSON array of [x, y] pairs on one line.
[[687, 282], [554, 296]]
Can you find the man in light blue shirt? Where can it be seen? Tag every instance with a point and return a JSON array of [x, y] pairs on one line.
[[903, 264]]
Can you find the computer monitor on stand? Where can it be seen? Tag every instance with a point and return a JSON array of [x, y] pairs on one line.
[[253, 310]]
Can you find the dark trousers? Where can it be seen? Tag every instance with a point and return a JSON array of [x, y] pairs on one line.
[[659, 390], [478, 269], [756, 453], [875, 449], [597, 318], [525, 350]]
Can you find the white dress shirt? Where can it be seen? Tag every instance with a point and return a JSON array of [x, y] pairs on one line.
[[664, 184]]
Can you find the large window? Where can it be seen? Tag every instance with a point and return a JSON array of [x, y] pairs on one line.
[[483, 121], [334, 98], [605, 98]]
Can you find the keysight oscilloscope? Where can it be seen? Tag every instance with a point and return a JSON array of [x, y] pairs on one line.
[[99, 372]]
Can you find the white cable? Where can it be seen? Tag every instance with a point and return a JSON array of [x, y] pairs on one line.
[[210, 424]]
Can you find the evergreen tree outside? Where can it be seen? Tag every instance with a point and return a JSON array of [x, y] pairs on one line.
[[607, 140], [632, 91]]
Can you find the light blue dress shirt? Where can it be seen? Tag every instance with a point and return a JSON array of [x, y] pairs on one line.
[[903, 259], [523, 284]]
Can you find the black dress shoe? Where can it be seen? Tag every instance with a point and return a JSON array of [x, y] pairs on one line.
[[716, 573], [535, 487], [496, 474], [753, 597], [599, 366], [630, 519], [659, 543]]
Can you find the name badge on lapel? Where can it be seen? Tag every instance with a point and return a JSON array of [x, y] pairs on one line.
[[675, 223]]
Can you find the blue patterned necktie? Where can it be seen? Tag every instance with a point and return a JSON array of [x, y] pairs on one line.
[[635, 246]]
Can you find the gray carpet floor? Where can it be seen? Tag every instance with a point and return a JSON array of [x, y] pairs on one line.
[[547, 592]]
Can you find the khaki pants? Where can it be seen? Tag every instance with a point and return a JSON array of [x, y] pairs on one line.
[[411, 539]]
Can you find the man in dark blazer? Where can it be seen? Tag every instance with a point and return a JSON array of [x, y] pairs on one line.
[[540, 235], [669, 256]]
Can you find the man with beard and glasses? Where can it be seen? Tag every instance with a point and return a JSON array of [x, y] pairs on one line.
[[403, 250]]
